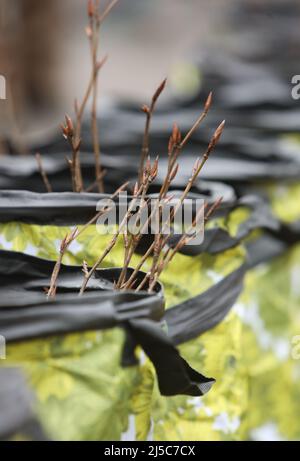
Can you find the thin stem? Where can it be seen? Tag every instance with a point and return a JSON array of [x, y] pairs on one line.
[[103, 210], [149, 113], [185, 240], [43, 173], [94, 44], [127, 244], [63, 248], [53, 283], [176, 145], [143, 282]]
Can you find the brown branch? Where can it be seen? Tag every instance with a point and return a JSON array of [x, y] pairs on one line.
[[70, 135], [103, 210], [185, 240], [149, 113], [93, 32], [94, 45], [63, 248], [176, 145], [43, 173]]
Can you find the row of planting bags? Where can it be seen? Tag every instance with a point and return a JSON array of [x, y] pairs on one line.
[[210, 355]]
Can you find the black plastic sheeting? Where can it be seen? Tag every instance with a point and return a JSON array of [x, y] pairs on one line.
[[26, 314], [71, 208], [197, 315], [16, 403], [217, 240], [250, 157]]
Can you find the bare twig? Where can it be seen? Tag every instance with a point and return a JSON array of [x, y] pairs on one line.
[[103, 210], [185, 240], [63, 248], [70, 135], [94, 44], [176, 145], [92, 32], [79, 110], [149, 113], [43, 172]]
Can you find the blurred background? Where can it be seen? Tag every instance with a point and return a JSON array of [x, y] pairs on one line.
[[44, 52], [45, 58]]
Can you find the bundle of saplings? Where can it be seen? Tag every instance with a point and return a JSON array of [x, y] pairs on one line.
[[94, 316]]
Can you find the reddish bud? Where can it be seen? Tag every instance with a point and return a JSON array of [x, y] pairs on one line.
[[176, 135], [145, 109], [69, 126], [219, 131], [64, 131], [159, 90], [171, 145], [91, 8], [154, 170], [216, 137], [208, 102]]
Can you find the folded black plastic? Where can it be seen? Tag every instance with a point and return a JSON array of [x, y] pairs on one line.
[[27, 315], [17, 419], [197, 315], [251, 147], [217, 240], [22, 173], [23, 277], [68, 208], [71, 208], [263, 249]]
